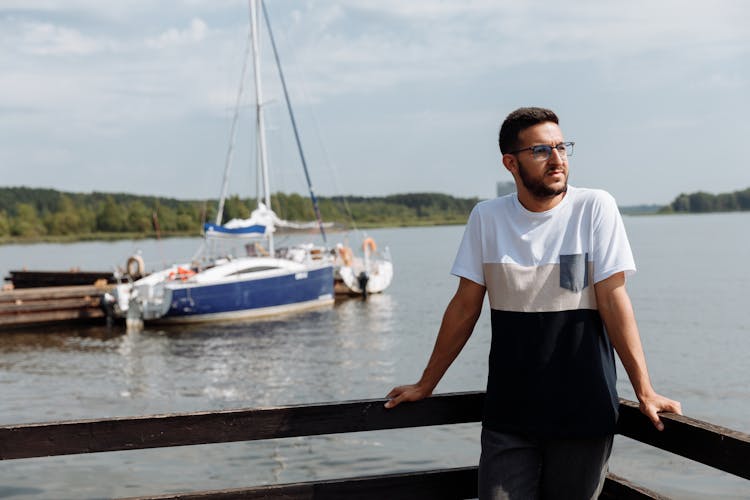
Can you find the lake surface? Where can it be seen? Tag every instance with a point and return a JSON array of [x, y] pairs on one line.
[[690, 297]]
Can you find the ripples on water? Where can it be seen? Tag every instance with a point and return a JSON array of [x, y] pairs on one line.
[[333, 354], [688, 296]]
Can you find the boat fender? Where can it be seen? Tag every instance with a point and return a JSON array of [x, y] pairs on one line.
[[135, 266], [346, 255], [369, 243]]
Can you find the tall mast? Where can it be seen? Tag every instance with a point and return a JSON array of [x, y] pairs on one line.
[[261, 130]]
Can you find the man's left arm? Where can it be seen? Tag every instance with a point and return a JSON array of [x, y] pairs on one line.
[[619, 319]]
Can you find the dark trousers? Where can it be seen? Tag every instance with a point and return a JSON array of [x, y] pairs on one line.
[[514, 467]]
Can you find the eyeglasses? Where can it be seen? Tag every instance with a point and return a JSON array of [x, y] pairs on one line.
[[542, 152]]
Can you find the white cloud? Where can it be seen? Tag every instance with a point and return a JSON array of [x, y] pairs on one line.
[[194, 33], [49, 39]]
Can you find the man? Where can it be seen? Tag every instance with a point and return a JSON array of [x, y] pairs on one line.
[[552, 259]]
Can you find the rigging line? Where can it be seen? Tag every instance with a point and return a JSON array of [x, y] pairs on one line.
[[233, 132], [332, 169], [326, 160], [294, 123], [334, 175], [301, 78]]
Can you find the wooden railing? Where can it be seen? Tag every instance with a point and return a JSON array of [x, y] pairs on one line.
[[709, 444]]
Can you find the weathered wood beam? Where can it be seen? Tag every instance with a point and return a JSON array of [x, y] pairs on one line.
[[618, 488], [719, 447], [115, 434], [13, 320], [56, 292], [32, 306], [43, 279]]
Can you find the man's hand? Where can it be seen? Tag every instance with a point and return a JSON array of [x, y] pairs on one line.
[[403, 393], [652, 405]]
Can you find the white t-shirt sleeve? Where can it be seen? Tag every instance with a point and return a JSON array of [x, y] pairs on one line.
[[612, 253], [469, 259]]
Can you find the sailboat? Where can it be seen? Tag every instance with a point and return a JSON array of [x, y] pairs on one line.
[[219, 286]]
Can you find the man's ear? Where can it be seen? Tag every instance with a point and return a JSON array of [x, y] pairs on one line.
[[511, 163]]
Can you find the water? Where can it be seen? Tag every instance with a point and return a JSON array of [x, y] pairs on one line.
[[688, 296]]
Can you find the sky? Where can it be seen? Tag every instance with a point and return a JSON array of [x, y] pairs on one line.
[[390, 96]]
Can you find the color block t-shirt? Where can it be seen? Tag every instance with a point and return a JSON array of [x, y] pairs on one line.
[[551, 365]]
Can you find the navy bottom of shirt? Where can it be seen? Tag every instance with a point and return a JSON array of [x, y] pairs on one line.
[[551, 374]]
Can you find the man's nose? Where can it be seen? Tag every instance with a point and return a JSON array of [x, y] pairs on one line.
[[556, 156]]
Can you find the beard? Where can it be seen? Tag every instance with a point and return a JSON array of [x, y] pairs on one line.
[[537, 187]]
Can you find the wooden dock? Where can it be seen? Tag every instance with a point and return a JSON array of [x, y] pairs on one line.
[[715, 446], [39, 279], [36, 306]]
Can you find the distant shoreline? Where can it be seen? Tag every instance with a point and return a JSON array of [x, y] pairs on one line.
[[33, 215], [62, 239], [639, 210], [642, 209]]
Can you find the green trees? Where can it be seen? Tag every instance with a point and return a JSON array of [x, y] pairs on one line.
[[27, 223], [702, 202], [235, 208], [111, 218], [139, 217], [69, 219], [293, 206], [4, 224], [27, 213]]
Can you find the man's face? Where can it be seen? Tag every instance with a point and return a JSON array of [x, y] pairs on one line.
[[542, 178]]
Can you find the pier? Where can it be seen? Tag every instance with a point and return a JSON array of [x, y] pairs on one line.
[[709, 444], [47, 305]]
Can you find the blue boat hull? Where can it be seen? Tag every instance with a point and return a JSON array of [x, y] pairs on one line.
[[251, 298]]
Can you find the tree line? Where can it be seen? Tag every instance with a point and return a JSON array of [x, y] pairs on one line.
[[702, 202], [32, 213]]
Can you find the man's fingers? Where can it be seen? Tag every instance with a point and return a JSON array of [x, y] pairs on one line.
[[393, 400], [404, 393], [675, 407], [395, 396], [657, 421], [666, 405], [650, 411]]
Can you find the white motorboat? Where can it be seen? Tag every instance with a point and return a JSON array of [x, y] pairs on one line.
[[370, 272]]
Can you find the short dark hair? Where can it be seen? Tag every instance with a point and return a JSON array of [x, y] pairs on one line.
[[521, 119]]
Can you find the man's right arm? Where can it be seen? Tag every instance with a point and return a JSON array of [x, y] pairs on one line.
[[458, 323]]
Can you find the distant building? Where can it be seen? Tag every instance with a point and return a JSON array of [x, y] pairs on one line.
[[504, 188]]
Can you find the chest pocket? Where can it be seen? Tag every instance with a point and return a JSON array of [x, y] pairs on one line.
[[574, 272]]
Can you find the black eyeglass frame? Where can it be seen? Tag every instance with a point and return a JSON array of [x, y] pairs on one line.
[[564, 149]]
